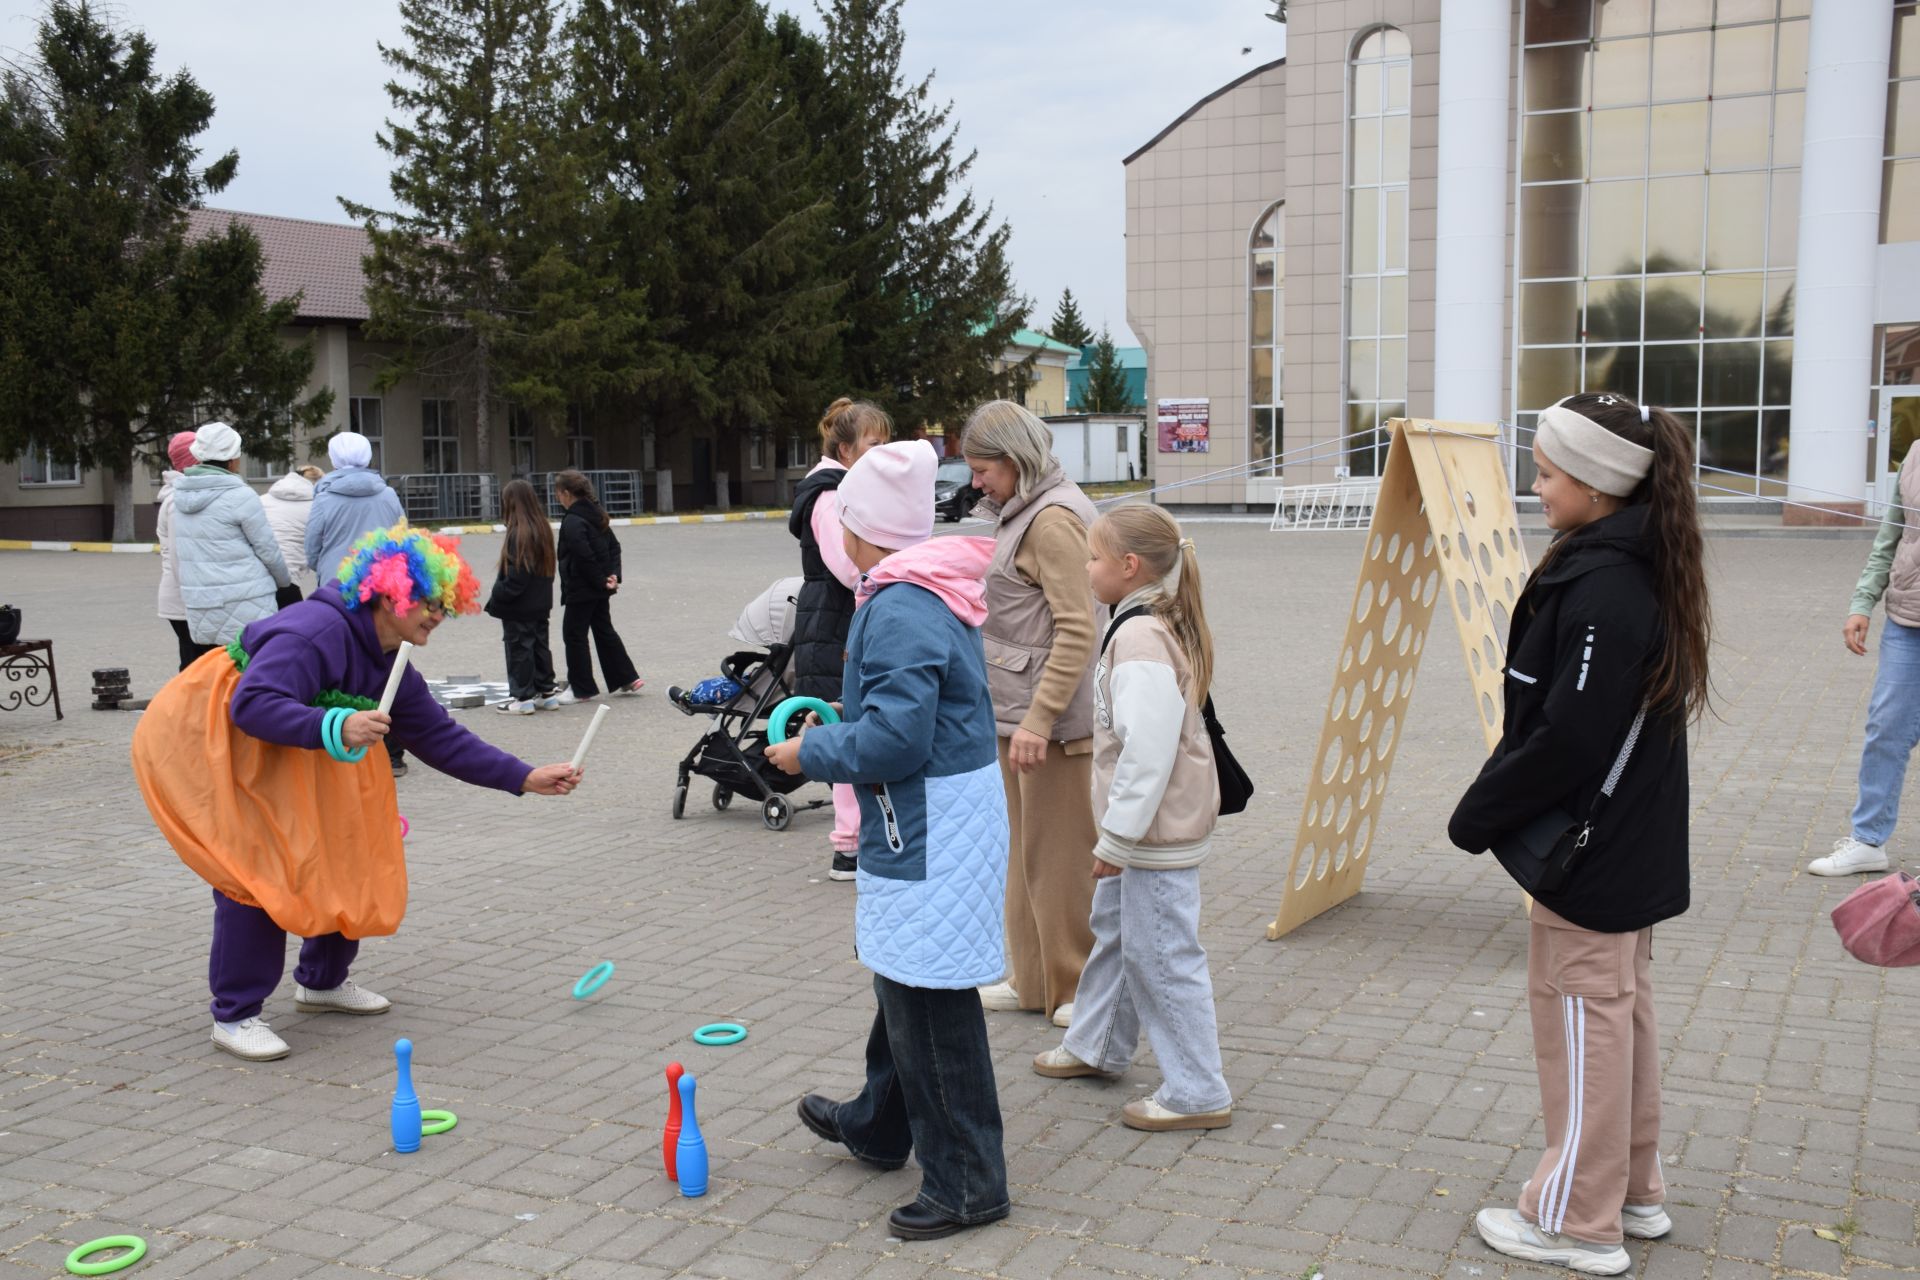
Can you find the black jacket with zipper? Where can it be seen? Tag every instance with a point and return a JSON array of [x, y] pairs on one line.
[[1585, 634], [520, 596], [823, 612], [589, 554]]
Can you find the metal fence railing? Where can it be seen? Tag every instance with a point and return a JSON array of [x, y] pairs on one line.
[[621, 492], [467, 497]]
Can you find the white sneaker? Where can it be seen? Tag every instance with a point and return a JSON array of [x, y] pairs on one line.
[[1645, 1221], [1507, 1232], [549, 703], [629, 691], [1000, 998], [516, 708], [567, 698], [1063, 1016], [1149, 1115], [1849, 857], [251, 1039], [348, 997], [1059, 1063]]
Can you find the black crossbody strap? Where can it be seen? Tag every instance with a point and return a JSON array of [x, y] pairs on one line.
[[1619, 766], [1114, 626]]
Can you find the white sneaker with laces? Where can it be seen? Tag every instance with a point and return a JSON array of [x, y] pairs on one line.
[[1063, 1016], [1849, 857], [1645, 1221], [348, 997], [1000, 998], [567, 698], [1505, 1231], [550, 702], [251, 1039], [511, 708]]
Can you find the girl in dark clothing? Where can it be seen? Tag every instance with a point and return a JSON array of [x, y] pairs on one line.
[[825, 604], [1609, 637], [589, 559], [523, 600]]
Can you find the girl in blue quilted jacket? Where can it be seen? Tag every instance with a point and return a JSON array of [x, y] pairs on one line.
[[917, 743]]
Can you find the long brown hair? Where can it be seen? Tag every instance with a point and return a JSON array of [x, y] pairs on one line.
[[847, 422], [528, 546], [578, 487], [1147, 531], [1677, 682]]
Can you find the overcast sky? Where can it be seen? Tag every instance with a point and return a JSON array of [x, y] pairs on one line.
[[1053, 94]]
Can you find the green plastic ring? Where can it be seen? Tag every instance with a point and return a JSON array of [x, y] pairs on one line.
[[135, 1246], [432, 1122], [592, 980], [778, 717], [720, 1033]]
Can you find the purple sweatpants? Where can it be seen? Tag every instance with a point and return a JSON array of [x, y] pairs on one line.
[[250, 954]]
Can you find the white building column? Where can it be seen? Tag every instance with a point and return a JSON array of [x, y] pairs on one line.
[[1470, 250], [1833, 357]]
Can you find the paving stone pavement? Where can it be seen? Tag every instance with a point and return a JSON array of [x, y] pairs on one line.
[[1380, 1054]]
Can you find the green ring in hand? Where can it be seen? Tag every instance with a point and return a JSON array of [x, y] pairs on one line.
[[432, 1122], [787, 710], [720, 1033], [135, 1246]]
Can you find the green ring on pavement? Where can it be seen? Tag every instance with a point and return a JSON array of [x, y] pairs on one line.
[[778, 717], [135, 1246], [432, 1122], [592, 980], [720, 1033]]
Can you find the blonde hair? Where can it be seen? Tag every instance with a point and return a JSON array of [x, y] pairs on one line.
[[1140, 529], [1001, 429], [308, 472], [847, 422]]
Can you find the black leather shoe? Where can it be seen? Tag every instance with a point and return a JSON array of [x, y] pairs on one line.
[[816, 1112], [916, 1222]]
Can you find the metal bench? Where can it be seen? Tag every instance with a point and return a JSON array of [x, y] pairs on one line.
[[22, 664]]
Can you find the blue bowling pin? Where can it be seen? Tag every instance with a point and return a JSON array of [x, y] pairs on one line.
[[690, 1158], [406, 1106]]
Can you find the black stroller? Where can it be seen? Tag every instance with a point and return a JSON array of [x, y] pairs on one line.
[[752, 683]]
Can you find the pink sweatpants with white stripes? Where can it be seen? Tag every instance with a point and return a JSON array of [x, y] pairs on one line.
[[1591, 996]]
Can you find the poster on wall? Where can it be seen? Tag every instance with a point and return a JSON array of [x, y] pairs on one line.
[[1183, 426]]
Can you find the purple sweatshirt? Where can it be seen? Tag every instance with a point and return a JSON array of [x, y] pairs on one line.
[[318, 645]]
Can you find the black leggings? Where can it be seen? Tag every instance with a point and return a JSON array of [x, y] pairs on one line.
[[189, 650]]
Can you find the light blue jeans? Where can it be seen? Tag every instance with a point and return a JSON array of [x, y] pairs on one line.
[[1149, 969], [1893, 728]]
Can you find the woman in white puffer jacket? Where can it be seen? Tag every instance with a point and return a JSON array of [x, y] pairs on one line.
[[288, 505], [230, 566]]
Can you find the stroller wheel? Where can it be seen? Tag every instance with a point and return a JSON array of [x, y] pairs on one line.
[[680, 801], [776, 813], [721, 797]]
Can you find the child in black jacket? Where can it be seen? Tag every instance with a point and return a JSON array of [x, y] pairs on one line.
[[1610, 636], [589, 577], [522, 599]]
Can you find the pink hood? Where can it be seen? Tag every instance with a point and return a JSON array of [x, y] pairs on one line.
[[955, 569]]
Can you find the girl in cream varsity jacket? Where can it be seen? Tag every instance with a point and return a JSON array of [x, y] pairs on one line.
[[1155, 795]]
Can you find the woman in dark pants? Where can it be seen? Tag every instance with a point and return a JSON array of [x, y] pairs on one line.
[[589, 576]]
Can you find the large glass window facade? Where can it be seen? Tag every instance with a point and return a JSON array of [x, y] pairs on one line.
[[1900, 185], [1266, 340], [1379, 152], [1659, 198]]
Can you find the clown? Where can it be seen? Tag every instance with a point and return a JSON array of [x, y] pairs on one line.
[[265, 766]]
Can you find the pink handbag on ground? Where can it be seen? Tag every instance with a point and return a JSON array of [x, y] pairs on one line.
[[1879, 923]]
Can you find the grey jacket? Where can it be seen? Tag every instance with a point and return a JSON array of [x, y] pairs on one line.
[[228, 562], [346, 504]]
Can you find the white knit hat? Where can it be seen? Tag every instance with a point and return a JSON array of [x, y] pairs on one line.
[[216, 442]]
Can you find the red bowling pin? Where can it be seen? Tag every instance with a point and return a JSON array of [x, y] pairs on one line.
[[672, 1142]]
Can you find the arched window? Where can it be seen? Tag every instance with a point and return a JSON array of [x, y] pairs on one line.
[[1266, 341], [1378, 155]]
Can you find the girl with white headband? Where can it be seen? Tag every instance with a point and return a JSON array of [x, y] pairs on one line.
[[1606, 667]]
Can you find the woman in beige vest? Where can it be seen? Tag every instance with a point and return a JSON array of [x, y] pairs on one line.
[[1042, 625]]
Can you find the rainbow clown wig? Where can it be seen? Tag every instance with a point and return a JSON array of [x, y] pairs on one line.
[[408, 566]]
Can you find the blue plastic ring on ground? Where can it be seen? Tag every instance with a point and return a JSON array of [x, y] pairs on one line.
[[790, 707], [592, 980], [720, 1033], [135, 1246]]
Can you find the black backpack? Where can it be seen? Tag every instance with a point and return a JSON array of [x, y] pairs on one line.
[[1236, 788]]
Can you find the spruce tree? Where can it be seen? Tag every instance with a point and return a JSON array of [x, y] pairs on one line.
[[1068, 325], [116, 328], [1106, 390]]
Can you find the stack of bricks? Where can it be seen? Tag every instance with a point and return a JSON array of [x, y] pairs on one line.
[[110, 688]]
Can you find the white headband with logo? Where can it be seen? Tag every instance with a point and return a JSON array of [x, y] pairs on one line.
[[1592, 454]]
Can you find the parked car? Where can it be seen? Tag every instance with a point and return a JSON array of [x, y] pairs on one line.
[[953, 491]]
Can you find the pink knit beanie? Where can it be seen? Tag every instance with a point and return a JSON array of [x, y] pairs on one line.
[[887, 496], [180, 450]]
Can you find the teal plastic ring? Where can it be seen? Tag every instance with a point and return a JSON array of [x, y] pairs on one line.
[[720, 1033], [778, 717], [135, 1246], [592, 980], [432, 1122], [330, 725]]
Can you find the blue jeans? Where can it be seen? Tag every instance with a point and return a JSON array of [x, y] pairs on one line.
[[1893, 727], [930, 1092]]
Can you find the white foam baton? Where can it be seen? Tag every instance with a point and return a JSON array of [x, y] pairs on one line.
[[393, 677], [599, 714]]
